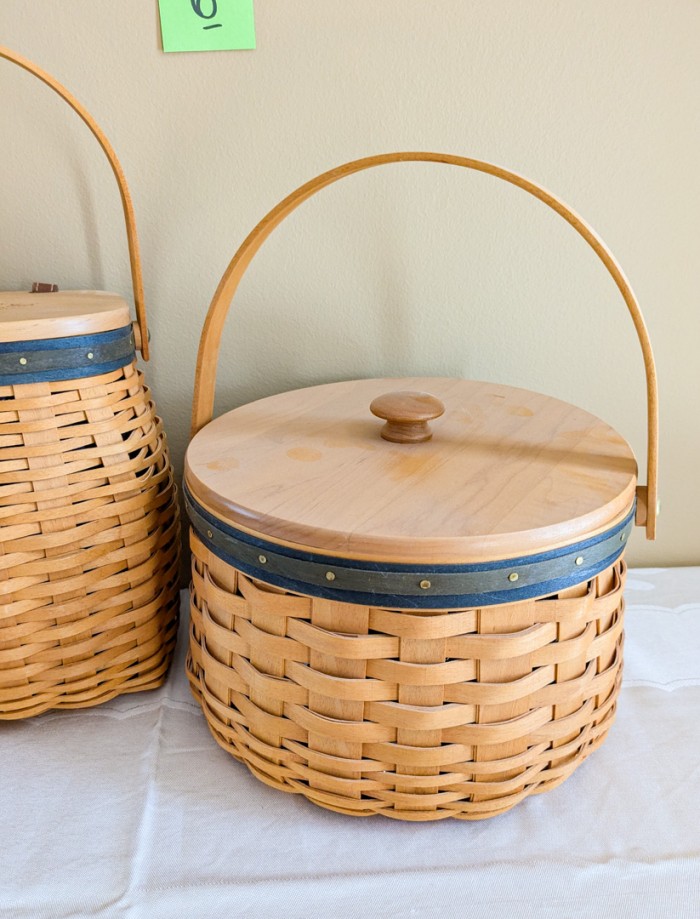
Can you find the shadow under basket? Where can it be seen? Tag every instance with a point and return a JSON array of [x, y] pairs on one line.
[[90, 538]]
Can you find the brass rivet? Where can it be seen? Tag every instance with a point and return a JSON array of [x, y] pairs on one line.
[[513, 576], [209, 534], [90, 355], [425, 585], [579, 560], [622, 537], [262, 559], [330, 576], [23, 360]]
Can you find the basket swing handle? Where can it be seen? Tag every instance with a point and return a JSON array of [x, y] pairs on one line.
[[207, 358], [141, 324]]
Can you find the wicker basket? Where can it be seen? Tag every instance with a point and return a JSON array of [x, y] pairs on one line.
[[414, 627], [89, 526]]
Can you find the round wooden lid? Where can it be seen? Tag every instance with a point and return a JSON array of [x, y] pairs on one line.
[[62, 314], [507, 472]]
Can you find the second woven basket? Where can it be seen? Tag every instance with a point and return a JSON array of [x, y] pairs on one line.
[[89, 531]]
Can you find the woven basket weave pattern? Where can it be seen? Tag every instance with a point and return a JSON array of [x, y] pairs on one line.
[[89, 540], [414, 715]]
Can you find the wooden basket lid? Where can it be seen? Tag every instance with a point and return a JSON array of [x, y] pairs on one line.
[[507, 472], [61, 314]]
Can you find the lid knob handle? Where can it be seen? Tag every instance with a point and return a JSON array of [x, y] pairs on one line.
[[407, 415]]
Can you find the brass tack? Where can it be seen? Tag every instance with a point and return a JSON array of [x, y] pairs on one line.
[[513, 576], [579, 560], [262, 559], [90, 355], [209, 534], [330, 576], [23, 360], [425, 585]]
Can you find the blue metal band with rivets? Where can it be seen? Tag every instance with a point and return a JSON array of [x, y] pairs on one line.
[[410, 586], [70, 358]]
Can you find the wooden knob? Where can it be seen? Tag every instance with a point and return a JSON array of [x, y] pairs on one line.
[[407, 415]]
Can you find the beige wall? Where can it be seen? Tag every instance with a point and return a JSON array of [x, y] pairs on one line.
[[408, 269]]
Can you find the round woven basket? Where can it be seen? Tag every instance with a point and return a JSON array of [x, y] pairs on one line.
[[89, 526], [366, 710], [421, 628]]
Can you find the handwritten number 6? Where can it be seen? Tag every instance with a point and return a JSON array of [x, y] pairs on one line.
[[197, 7]]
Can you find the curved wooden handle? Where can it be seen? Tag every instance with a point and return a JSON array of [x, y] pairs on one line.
[[207, 359], [141, 328]]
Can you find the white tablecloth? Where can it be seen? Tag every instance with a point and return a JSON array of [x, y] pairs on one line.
[[131, 810]]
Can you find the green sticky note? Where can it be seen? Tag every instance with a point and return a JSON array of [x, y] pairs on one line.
[[207, 25]]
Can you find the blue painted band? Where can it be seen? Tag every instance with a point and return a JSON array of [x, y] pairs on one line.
[[62, 344], [76, 357], [410, 586], [301, 555]]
